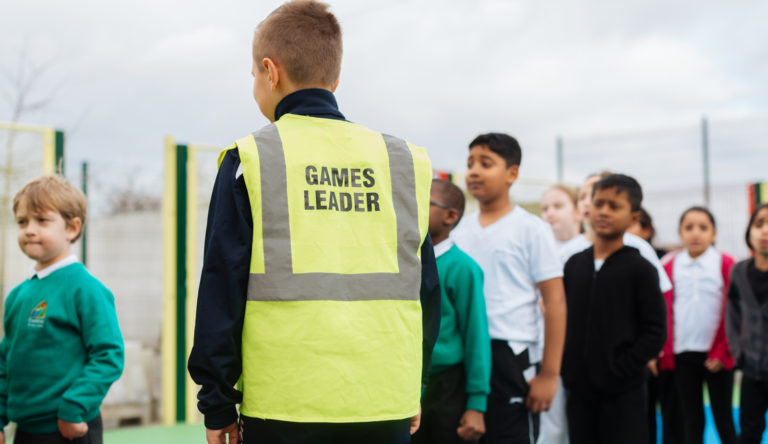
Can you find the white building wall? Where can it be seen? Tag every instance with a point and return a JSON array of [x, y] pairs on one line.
[[125, 252]]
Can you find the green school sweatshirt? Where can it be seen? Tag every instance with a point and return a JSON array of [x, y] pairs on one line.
[[61, 351], [464, 336]]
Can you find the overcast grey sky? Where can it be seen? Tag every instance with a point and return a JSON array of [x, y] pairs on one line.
[[613, 78]]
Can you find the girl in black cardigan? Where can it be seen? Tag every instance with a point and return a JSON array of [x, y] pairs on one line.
[[747, 327]]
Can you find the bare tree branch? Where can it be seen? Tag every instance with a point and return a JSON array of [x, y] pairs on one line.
[[35, 106], [22, 86], [129, 199], [25, 82]]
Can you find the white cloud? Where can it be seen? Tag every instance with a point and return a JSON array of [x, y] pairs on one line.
[[193, 45], [435, 72]]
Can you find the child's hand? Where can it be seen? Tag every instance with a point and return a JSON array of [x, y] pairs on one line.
[[713, 365], [416, 422], [542, 391], [2, 437], [72, 430], [471, 425], [653, 366], [220, 436]]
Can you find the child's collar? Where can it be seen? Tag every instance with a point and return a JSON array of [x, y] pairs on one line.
[[69, 260], [314, 102], [443, 246]]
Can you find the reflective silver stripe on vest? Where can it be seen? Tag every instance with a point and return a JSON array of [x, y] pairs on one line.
[[279, 283]]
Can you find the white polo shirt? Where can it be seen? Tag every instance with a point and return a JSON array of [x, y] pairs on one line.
[[515, 253], [581, 243], [698, 299], [69, 260]]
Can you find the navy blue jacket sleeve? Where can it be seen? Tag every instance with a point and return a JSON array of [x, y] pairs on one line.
[[215, 362], [430, 306]]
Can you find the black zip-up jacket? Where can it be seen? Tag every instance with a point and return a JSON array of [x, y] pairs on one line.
[[215, 362], [616, 321]]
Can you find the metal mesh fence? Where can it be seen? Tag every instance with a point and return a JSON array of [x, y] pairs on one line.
[[124, 242], [203, 167], [669, 165], [129, 248], [26, 152], [126, 237]]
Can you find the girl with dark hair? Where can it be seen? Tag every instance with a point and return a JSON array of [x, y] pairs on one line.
[[661, 382], [644, 228], [747, 327], [696, 348]]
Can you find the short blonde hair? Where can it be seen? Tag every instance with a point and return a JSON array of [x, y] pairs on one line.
[[53, 193], [305, 38]]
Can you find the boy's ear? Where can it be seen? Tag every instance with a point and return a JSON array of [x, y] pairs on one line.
[[451, 217], [335, 85], [73, 227], [272, 72], [635, 217], [512, 173]]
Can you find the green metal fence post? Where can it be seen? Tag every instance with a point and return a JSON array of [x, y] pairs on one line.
[[59, 152], [84, 237], [181, 281]]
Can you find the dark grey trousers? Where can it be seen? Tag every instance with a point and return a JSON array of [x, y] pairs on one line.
[[94, 436]]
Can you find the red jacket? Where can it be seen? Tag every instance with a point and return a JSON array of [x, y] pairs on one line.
[[719, 349]]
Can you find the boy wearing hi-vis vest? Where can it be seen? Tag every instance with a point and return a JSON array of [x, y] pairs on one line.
[[319, 295]]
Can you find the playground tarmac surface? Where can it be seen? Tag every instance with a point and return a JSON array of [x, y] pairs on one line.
[[178, 434], [188, 434], [195, 433]]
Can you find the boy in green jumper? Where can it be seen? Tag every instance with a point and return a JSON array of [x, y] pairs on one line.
[[455, 398], [62, 347]]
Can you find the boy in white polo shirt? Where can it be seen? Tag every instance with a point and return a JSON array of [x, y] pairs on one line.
[[517, 253]]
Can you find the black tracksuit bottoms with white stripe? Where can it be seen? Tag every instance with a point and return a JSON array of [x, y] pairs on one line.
[[507, 420]]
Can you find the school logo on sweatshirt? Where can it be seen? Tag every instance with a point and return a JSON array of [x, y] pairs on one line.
[[37, 316]]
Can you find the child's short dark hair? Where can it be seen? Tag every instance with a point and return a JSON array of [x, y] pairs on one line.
[[646, 222], [625, 184], [752, 221], [698, 209], [502, 144], [305, 38], [53, 193], [450, 194]]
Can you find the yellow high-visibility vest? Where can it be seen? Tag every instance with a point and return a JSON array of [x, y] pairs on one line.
[[332, 329]]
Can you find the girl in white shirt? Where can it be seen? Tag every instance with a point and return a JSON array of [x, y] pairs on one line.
[[697, 348], [559, 209]]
